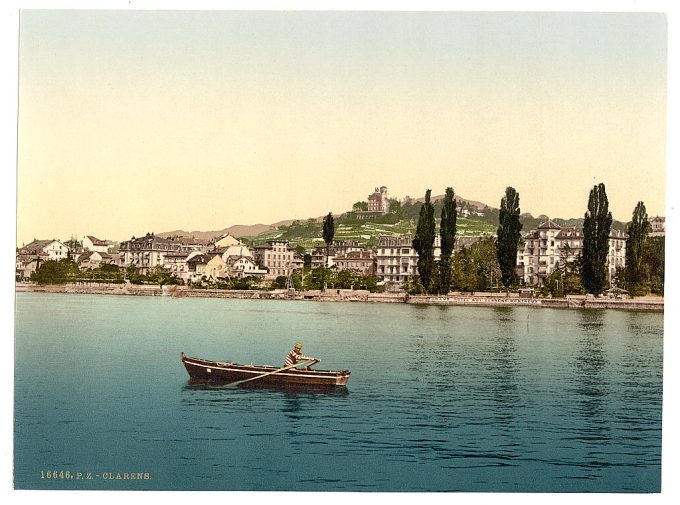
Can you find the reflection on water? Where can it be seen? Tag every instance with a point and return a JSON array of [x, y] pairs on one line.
[[590, 362], [440, 398], [592, 390], [289, 391], [504, 365]]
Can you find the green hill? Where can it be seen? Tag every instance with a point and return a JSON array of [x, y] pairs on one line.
[[401, 220], [308, 233]]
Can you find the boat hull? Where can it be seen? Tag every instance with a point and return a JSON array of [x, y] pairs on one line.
[[203, 370]]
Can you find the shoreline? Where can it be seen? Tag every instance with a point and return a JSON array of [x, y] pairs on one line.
[[346, 295]]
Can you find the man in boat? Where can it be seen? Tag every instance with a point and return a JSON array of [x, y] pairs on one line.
[[295, 356]]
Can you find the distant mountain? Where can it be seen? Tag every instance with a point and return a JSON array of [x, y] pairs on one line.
[[239, 230]]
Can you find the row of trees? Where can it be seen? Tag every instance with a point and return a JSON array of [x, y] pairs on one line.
[[67, 271], [441, 276], [323, 278], [472, 270]]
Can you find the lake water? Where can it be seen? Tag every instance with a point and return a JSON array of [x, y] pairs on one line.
[[440, 398]]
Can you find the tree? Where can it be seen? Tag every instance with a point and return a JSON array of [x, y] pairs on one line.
[[131, 273], [638, 229], [360, 206], [161, 276], [596, 227], [328, 233], [509, 235], [56, 272], [655, 263], [463, 274], [484, 256], [394, 206], [423, 242], [280, 282], [447, 232], [414, 286]]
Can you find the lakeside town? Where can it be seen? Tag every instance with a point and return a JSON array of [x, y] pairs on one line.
[[382, 268]]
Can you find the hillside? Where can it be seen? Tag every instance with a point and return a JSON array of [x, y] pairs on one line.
[[401, 220], [308, 233]]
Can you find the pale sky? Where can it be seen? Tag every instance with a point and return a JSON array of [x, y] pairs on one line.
[[136, 121]]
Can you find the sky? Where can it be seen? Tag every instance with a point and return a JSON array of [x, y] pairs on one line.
[[138, 121]]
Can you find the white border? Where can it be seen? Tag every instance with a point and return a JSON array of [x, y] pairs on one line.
[[8, 34]]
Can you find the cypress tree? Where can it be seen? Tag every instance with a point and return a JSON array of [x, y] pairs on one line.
[[596, 227], [509, 234], [328, 233], [423, 242], [638, 229], [447, 232]]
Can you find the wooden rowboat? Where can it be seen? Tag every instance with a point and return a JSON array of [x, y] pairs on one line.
[[261, 375]]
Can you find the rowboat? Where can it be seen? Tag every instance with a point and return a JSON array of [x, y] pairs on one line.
[[261, 375]]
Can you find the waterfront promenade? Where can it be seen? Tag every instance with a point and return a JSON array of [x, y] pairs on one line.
[[346, 295]]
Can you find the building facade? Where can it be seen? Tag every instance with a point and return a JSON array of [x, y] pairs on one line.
[[91, 243], [378, 204], [658, 226], [359, 262], [146, 253], [277, 257], [241, 266], [94, 259], [550, 245], [397, 260], [31, 256], [337, 248]]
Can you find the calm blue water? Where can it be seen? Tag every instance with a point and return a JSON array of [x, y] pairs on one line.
[[440, 398]]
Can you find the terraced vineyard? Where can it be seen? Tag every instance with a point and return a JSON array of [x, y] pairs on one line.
[[308, 233]]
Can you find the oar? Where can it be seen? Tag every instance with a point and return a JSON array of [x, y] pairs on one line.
[[311, 361]]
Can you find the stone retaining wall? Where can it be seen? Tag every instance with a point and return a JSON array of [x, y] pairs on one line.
[[497, 300]]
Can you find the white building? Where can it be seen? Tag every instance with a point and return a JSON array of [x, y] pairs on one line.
[[48, 249], [226, 241], [397, 260], [91, 243], [550, 244], [243, 266], [658, 226], [31, 256]]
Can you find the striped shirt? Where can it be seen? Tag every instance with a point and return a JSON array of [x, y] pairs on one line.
[[294, 357]]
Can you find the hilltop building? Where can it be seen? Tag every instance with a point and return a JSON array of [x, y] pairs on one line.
[[378, 204]]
